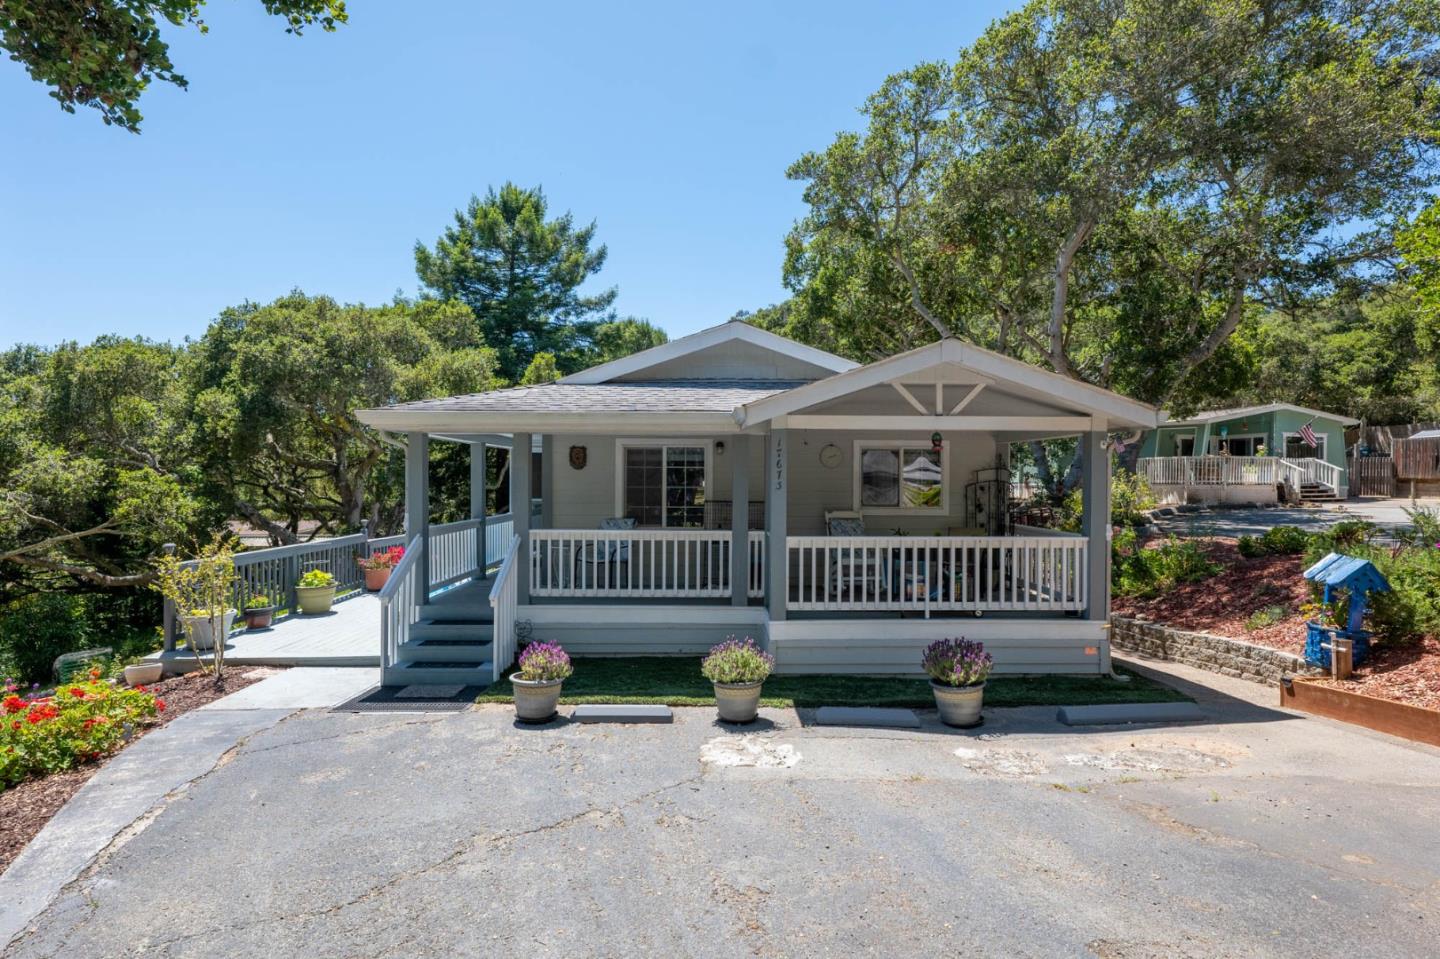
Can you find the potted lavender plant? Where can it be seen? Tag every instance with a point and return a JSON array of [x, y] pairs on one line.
[[544, 667], [738, 671], [958, 669]]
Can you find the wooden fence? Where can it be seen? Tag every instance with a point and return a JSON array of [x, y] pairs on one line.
[[1371, 476], [1417, 459]]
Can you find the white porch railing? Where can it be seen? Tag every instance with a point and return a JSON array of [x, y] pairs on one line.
[[1313, 470], [499, 530], [636, 563], [454, 552], [503, 595], [400, 602], [936, 573], [1237, 471], [755, 588], [1211, 470]]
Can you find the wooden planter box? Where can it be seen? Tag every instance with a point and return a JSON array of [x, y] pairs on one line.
[[1382, 715]]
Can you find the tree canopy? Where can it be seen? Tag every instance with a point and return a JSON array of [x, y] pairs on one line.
[[520, 274], [1106, 187], [102, 54]]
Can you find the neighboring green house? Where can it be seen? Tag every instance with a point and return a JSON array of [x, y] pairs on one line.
[[1259, 449]]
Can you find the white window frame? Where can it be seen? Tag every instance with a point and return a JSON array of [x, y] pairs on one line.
[[1216, 439], [1320, 450], [662, 443], [916, 444]]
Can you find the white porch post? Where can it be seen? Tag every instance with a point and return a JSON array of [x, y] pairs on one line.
[[520, 511], [547, 481], [477, 502], [739, 449], [777, 560], [417, 504], [1095, 523]]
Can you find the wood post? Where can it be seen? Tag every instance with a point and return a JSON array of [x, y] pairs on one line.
[[168, 616], [520, 511], [777, 491], [739, 451], [1095, 524], [417, 505], [478, 505]]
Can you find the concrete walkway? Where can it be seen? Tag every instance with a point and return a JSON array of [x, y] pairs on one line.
[[121, 800]]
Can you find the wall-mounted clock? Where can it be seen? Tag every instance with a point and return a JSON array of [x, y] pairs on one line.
[[830, 456]]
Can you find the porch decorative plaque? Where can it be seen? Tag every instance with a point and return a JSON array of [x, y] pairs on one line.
[[578, 455]]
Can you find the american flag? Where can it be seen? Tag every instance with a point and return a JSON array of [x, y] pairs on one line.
[[1308, 435]]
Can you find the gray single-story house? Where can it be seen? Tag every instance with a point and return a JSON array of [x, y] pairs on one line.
[[738, 482], [1247, 455]]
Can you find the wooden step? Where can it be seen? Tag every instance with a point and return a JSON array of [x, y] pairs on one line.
[[445, 651], [469, 631], [411, 673]]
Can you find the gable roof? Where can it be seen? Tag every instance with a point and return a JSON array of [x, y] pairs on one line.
[[713, 336], [1235, 413], [990, 366]]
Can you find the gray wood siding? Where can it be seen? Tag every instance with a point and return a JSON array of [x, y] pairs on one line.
[[895, 646], [582, 498]]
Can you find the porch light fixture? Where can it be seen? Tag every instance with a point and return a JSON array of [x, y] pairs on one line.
[[719, 447], [936, 442]]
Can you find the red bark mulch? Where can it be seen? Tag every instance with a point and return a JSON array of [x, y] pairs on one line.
[[1223, 604], [26, 808]]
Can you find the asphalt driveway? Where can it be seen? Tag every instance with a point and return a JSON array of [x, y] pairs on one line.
[[1255, 520], [1260, 834]]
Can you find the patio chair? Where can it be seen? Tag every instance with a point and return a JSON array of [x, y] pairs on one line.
[[609, 554], [853, 573]]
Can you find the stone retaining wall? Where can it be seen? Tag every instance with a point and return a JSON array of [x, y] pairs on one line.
[[1218, 654]]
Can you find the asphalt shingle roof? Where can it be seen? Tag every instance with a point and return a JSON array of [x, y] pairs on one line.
[[645, 396]]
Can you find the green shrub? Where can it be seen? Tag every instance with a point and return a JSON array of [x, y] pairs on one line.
[[1268, 616], [315, 577], [1130, 502], [1424, 526], [1346, 536], [1411, 608], [1249, 547], [735, 662], [1285, 540], [37, 628], [1137, 571]]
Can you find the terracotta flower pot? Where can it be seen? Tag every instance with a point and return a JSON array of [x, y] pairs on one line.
[[738, 702], [959, 705], [375, 579]]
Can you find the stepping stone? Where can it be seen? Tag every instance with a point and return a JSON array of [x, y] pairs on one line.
[[1120, 713], [623, 714], [867, 716], [428, 692]]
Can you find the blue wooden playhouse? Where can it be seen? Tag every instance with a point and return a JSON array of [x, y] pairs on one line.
[[1359, 578]]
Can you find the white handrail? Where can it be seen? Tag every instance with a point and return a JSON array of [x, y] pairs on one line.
[[755, 587], [633, 563], [1312, 470], [936, 573], [1211, 470], [400, 603], [503, 598]]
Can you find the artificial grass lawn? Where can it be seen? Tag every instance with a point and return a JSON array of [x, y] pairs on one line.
[[676, 681]]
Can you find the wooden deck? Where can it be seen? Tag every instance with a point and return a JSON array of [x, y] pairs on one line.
[[349, 635]]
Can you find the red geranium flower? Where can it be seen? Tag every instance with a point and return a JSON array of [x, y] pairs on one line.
[[77, 692], [13, 703], [160, 705]]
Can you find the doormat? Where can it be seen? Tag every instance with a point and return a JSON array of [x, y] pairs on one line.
[[430, 692], [387, 699]]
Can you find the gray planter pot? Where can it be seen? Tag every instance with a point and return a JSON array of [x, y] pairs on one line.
[[959, 705], [738, 702], [142, 674], [536, 699], [314, 600]]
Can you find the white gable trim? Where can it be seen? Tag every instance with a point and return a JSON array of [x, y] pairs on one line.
[[1101, 403], [705, 339]]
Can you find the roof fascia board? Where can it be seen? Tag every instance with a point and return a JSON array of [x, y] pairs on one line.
[[1074, 424], [704, 339], [609, 421]]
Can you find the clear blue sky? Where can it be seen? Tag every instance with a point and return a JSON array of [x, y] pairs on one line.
[[317, 162]]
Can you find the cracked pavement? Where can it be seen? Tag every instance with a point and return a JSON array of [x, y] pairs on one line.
[[462, 835]]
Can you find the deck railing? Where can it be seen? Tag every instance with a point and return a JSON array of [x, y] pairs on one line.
[[273, 571], [936, 573], [1237, 471], [503, 600], [400, 602], [755, 588], [634, 563]]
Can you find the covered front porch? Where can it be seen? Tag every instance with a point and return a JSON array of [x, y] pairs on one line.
[[844, 522]]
